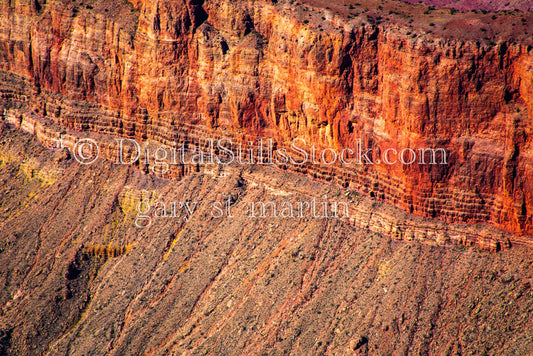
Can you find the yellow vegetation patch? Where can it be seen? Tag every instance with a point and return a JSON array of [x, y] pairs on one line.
[[48, 176], [29, 168], [129, 199], [184, 267], [107, 251], [165, 256], [8, 157], [383, 269]]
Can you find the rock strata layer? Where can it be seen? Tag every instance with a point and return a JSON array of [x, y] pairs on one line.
[[164, 70]]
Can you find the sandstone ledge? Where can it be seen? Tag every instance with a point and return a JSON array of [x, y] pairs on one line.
[[364, 212]]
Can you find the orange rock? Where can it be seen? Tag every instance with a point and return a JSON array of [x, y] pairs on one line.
[[178, 70]]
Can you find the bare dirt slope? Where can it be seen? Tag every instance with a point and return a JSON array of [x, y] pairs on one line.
[[77, 278], [487, 5]]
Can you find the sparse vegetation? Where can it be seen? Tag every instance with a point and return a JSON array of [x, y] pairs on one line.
[[106, 251]]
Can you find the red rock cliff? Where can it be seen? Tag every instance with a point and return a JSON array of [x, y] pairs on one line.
[[268, 68]]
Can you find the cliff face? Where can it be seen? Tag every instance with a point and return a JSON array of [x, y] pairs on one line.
[[163, 69]]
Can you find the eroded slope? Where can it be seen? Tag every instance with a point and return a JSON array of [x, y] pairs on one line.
[[79, 278]]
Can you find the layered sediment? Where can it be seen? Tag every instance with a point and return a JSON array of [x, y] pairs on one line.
[[171, 70], [78, 277], [359, 211]]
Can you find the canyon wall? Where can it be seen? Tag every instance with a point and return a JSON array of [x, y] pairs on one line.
[[168, 70]]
